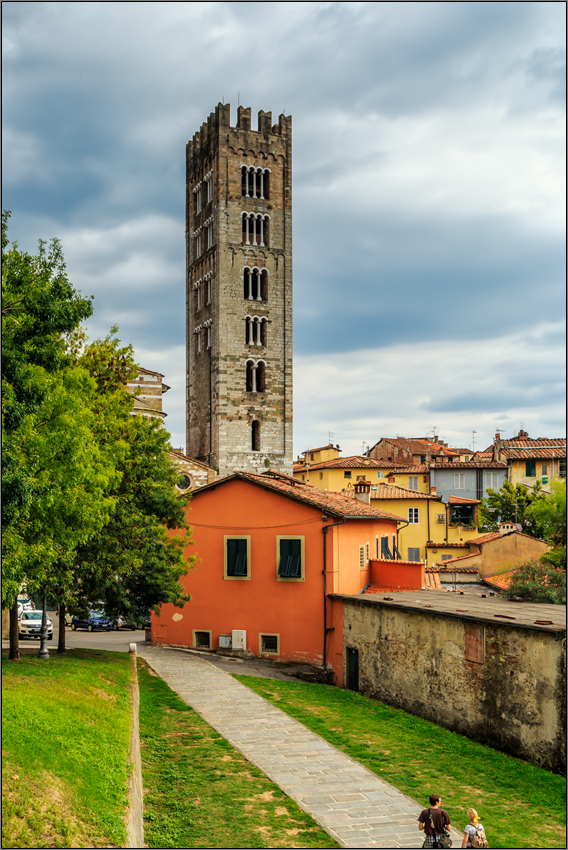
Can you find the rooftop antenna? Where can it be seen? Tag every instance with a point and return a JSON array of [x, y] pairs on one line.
[[238, 99], [330, 437], [473, 440]]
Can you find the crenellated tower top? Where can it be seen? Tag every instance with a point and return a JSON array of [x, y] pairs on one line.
[[205, 138]]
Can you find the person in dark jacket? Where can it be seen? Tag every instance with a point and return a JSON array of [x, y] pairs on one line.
[[439, 818]]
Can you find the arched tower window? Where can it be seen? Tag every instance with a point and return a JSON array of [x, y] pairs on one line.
[[255, 229], [255, 376], [255, 436], [255, 182], [255, 284]]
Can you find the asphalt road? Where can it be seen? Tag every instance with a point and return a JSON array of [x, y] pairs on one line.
[[117, 641]]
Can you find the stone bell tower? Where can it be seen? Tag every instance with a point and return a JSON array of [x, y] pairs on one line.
[[239, 293]]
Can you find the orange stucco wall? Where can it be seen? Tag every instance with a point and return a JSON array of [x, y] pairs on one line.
[[407, 574], [509, 551], [294, 610]]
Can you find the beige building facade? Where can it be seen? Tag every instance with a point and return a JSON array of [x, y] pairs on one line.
[[239, 293]]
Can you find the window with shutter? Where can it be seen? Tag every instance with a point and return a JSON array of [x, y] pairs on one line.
[[413, 515], [413, 482], [530, 468], [414, 554], [236, 557], [290, 558], [385, 551]]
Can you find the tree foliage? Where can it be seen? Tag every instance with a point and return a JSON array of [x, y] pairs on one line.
[[549, 514], [511, 504], [89, 506], [539, 581]]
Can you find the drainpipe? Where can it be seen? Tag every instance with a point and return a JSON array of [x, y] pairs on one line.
[[324, 573], [398, 530]]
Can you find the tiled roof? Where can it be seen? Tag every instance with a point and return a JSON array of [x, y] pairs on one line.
[[352, 462], [391, 491], [461, 500], [485, 538], [460, 558], [448, 545], [501, 581], [321, 449], [418, 469], [180, 454], [518, 453], [528, 442], [432, 580], [472, 464], [334, 503], [418, 446]]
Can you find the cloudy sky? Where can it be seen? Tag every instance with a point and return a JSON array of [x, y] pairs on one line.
[[428, 143]]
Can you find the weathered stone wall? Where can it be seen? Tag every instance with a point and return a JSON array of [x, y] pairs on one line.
[[512, 697], [220, 410]]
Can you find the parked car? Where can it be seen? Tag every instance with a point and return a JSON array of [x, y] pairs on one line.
[[122, 623], [95, 621], [29, 625], [25, 604]]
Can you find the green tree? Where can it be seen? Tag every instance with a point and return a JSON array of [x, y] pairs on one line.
[[549, 513], [53, 472], [510, 504], [137, 560]]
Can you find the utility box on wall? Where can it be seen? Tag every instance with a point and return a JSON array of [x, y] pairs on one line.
[[225, 642], [239, 639]]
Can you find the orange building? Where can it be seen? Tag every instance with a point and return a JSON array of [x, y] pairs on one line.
[[270, 550]]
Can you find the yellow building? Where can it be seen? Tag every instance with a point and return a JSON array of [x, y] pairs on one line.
[[530, 460], [410, 477], [434, 530]]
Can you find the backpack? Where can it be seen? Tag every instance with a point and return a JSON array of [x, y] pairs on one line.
[[479, 839]]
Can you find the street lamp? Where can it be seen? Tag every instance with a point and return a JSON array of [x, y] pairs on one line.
[[43, 653]]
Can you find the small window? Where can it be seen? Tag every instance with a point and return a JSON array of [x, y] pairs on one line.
[[447, 557], [380, 474], [413, 482], [367, 551], [347, 473], [236, 557], [377, 546], [321, 476], [562, 468], [361, 557], [289, 553], [459, 481], [201, 640], [184, 483], [492, 480], [269, 644], [530, 468], [544, 469], [441, 519], [255, 436], [413, 515], [414, 554]]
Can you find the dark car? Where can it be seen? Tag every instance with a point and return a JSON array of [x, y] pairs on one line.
[[95, 620]]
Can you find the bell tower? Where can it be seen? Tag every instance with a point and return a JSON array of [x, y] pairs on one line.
[[239, 293]]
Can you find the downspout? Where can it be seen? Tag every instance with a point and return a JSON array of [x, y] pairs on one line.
[[398, 530], [324, 573]]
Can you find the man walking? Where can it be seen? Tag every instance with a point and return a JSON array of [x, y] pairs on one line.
[[435, 817]]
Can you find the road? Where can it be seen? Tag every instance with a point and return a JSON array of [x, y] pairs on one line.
[[117, 641]]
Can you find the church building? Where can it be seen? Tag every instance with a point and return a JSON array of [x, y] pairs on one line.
[[239, 293]]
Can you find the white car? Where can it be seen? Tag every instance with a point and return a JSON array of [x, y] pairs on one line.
[[24, 604], [29, 625]]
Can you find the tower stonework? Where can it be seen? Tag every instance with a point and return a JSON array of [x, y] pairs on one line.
[[239, 293]]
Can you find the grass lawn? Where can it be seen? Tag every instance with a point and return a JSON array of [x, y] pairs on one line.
[[520, 805], [200, 791], [66, 725]]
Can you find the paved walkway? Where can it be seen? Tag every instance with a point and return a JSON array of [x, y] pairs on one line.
[[347, 800]]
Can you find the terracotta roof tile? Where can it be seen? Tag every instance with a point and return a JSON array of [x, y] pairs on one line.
[[448, 545], [418, 446], [461, 500], [501, 581], [485, 538], [352, 462], [443, 564], [321, 449], [335, 503], [375, 588], [518, 453], [420, 469], [391, 491], [472, 464], [527, 442]]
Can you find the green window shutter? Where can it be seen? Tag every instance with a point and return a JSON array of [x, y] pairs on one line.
[[530, 468], [290, 565], [236, 557]]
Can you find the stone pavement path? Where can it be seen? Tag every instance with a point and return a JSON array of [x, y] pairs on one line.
[[347, 800]]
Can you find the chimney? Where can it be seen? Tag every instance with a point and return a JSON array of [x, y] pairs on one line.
[[433, 491], [363, 490]]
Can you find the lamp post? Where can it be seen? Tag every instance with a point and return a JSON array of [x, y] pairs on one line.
[[43, 653]]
